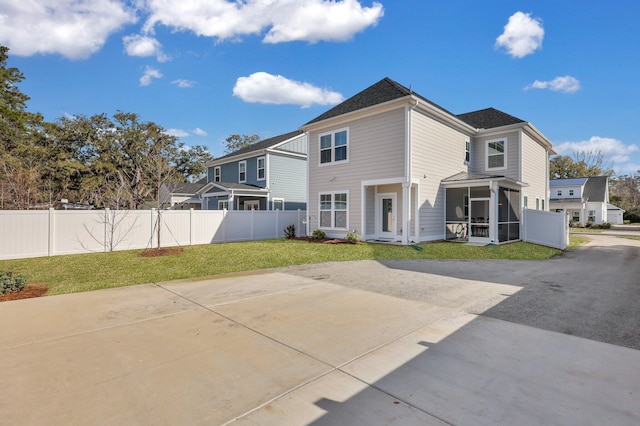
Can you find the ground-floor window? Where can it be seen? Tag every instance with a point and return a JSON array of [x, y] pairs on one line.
[[333, 210], [592, 216], [251, 205], [575, 216], [223, 205], [278, 204], [508, 214]]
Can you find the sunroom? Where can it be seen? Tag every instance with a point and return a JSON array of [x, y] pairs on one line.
[[482, 209]]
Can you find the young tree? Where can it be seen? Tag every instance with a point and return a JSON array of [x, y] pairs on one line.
[[237, 142]]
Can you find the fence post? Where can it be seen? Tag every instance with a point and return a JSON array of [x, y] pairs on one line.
[[277, 221], [224, 226], [50, 248], [191, 226], [107, 221], [252, 223]]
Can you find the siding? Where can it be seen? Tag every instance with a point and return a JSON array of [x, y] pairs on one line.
[[535, 171], [375, 151], [298, 145], [288, 180], [479, 150], [438, 151]]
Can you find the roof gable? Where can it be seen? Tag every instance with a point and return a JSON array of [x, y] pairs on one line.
[[596, 189], [489, 118], [383, 91], [262, 145]]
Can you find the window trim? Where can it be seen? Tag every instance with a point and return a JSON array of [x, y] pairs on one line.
[[333, 210], [504, 154], [217, 174], [263, 168], [273, 203], [221, 204], [241, 163], [332, 148], [467, 151]]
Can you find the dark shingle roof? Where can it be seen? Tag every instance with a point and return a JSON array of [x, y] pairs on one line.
[[186, 187], [489, 118], [267, 143], [596, 188], [383, 91]]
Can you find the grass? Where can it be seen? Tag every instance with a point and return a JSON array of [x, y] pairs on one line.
[[585, 231], [86, 272], [628, 237]]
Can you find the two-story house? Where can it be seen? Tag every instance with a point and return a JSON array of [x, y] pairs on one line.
[[391, 165], [268, 175], [584, 199]]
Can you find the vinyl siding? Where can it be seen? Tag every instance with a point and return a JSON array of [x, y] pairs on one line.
[[479, 153], [288, 180], [375, 151], [535, 171], [298, 145], [438, 151]]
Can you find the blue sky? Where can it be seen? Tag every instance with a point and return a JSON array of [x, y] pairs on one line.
[[206, 69]]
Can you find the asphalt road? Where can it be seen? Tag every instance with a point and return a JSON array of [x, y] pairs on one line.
[[591, 292]]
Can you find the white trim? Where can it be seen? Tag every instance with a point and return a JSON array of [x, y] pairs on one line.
[[333, 210], [264, 168], [223, 202], [240, 180], [274, 200], [219, 169], [393, 235], [486, 154], [333, 161]]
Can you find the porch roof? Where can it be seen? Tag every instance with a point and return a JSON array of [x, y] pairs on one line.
[[221, 188], [469, 177]]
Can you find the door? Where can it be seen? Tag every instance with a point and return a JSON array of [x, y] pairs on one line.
[[479, 220], [386, 216]]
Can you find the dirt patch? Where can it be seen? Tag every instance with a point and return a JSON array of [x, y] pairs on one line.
[[32, 290], [162, 251]]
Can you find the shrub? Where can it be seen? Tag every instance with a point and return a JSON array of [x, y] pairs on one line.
[[606, 225], [318, 234], [579, 225], [589, 224], [352, 237], [626, 222], [10, 283], [290, 232]]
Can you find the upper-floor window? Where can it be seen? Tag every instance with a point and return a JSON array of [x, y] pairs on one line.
[[216, 174], [467, 151], [496, 151], [261, 168], [334, 147], [242, 171], [559, 192], [571, 192]]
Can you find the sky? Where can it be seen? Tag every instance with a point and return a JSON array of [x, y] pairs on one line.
[[207, 69]]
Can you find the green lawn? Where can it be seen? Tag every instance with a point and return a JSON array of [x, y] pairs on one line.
[[585, 231], [85, 272]]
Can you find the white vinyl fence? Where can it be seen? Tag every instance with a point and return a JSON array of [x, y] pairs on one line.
[[546, 228], [35, 233]]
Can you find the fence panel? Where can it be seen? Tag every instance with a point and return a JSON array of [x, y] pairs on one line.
[[546, 228], [35, 233]]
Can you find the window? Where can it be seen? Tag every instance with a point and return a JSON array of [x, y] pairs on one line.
[[575, 216], [559, 192], [526, 202], [333, 210], [242, 171], [223, 205], [537, 203], [216, 174], [334, 147], [496, 154], [261, 168], [571, 192], [278, 204], [543, 204], [592, 216], [467, 151]]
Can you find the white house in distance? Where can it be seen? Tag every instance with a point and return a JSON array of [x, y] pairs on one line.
[[584, 199], [391, 165]]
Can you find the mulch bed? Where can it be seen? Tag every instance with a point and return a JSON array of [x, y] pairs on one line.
[[32, 290], [162, 251]]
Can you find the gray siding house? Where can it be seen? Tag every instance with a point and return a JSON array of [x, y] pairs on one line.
[[268, 175], [391, 165]]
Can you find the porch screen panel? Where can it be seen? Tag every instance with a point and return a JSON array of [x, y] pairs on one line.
[[508, 214]]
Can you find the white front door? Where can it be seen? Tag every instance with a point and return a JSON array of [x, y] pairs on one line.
[[386, 216]]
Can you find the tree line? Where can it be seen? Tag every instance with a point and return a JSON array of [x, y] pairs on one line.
[[118, 162]]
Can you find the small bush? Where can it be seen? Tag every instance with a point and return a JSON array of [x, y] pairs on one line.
[[10, 283], [352, 237], [589, 224], [318, 234], [606, 225], [290, 232], [579, 225], [626, 222]]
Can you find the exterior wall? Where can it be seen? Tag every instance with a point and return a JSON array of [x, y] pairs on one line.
[[288, 180], [577, 192], [600, 209], [298, 145], [437, 152], [375, 151], [535, 171], [478, 154]]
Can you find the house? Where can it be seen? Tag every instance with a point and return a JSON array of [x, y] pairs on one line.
[[615, 214], [391, 165], [268, 175], [182, 195], [584, 199]]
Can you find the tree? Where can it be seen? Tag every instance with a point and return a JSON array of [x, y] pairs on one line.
[[582, 164], [237, 142]]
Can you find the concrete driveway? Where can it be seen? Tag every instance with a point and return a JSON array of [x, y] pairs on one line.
[[311, 345]]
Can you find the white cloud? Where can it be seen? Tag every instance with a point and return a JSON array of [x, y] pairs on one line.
[[148, 76], [566, 84], [287, 20], [71, 28], [613, 150], [179, 133], [198, 131], [138, 45], [265, 88], [522, 35], [183, 84]]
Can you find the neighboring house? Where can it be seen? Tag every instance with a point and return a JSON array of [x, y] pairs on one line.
[[268, 175], [615, 214], [182, 195], [391, 165], [584, 199]]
